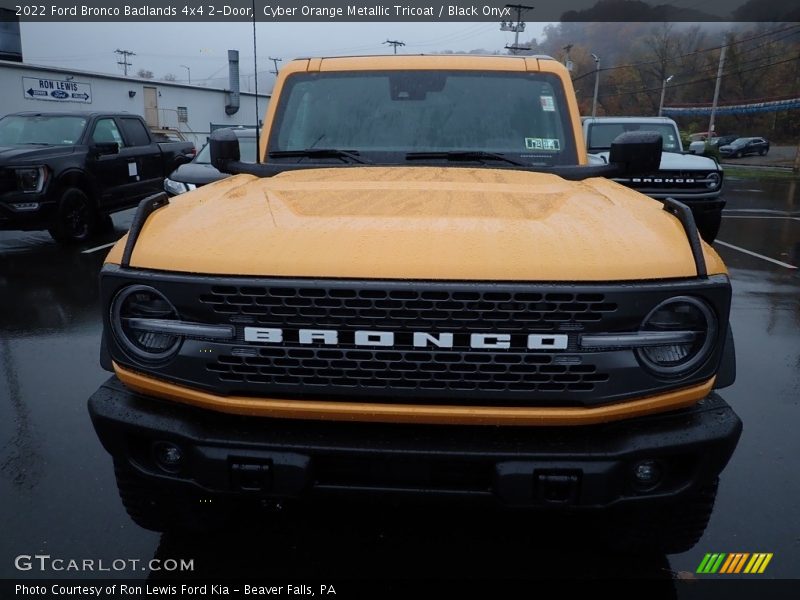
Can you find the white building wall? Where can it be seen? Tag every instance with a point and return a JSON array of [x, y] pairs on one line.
[[113, 93]]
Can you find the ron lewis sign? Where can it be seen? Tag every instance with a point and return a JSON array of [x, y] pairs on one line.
[[56, 90]]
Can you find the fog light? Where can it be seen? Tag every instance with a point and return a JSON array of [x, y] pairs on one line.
[[647, 473], [26, 205], [168, 456]]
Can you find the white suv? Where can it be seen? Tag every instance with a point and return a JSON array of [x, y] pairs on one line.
[[694, 180]]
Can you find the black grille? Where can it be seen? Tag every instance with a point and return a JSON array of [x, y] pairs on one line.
[[433, 371], [459, 372], [391, 310], [422, 371], [675, 181], [8, 181]]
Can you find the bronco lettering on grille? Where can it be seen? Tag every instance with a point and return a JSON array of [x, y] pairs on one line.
[[418, 339]]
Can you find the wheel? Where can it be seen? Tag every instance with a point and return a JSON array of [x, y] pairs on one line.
[[153, 507], [76, 219], [762, 152], [738, 155], [667, 528]]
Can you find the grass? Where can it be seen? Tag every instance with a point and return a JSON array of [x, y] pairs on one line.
[[745, 172]]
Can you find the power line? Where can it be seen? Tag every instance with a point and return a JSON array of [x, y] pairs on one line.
[[732, 71], [675, 58], [704, 80], [124, 62], [516, 27], [735, 68], [275, 61], [395, 44], [455, 36]]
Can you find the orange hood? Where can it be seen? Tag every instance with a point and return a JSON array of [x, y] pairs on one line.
[[417, 223]]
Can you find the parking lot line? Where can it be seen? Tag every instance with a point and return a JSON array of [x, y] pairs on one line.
[[96, 248], [751, 253], [765, 211], [758, 217]]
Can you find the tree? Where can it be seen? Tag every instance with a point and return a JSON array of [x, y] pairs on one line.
[[144, 74], [169, 77]]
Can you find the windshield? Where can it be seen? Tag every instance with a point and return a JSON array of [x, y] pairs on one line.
[[385, 115], [602, 134], [247, 151], [50, 130]]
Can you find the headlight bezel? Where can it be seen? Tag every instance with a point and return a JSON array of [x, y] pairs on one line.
[[713, 180], [697, 357], [130, 348]]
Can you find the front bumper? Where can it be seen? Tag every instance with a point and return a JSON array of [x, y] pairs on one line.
[[14, 218], [559, 467]]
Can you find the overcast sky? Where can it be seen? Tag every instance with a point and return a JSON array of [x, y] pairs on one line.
[[164, 47]]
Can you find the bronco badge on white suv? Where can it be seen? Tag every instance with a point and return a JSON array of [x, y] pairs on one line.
[[694, 180]]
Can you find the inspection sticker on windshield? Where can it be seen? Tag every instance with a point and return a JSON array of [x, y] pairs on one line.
[[546, 144], [547, 103]]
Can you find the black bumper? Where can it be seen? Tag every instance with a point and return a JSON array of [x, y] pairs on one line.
[[563, 467], [26, 220]]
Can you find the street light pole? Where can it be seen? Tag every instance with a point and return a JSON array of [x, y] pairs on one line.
[[188, 73], [663, 91], [596, 82]]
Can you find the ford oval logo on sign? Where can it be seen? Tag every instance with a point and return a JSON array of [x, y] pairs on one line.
[[56, 90]]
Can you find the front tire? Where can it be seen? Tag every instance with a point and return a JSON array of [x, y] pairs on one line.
[[76, 218]]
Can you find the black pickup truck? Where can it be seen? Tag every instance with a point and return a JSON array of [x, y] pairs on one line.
[[67, 172]]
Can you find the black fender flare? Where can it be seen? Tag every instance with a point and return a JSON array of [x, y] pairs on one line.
[[726, 375]]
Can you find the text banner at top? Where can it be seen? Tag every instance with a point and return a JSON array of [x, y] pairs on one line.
[[210, 11]]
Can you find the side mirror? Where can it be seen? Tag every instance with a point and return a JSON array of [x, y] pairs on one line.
[[105, 148], [182, 159], [224, 149], [636, 152]]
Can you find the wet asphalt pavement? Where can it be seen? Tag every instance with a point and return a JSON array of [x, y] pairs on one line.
[[58, 495]]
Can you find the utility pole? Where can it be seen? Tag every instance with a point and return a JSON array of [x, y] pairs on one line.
[[188, 73], [275, 61], [124, 62], [596, 82], [516, 27], [716, 90], [663, 91], [567, 60], [394, 43]]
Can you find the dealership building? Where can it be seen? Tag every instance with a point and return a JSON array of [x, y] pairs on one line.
[[193, 110]]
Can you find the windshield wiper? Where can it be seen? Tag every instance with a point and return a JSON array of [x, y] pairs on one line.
[[352, 155], [465, 155]]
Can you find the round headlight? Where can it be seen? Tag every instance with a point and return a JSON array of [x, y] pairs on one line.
[[139, 302], [682, 314], [713, 180]]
